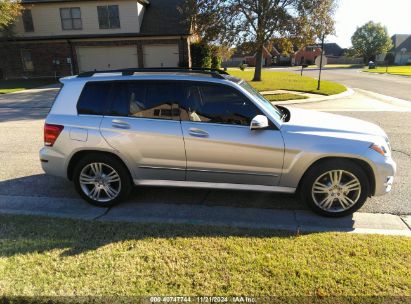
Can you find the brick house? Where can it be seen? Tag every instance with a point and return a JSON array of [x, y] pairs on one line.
[[63, 37], [307, 55], [251, 59]]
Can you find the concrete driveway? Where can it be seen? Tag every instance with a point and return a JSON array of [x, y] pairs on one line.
[[23, 182]]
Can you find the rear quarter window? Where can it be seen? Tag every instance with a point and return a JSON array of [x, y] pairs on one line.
[[93, 98]]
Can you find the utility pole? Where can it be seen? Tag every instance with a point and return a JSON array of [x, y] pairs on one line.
[[321, 62]]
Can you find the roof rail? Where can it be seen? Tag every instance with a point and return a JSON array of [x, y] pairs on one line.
[[128, 72]]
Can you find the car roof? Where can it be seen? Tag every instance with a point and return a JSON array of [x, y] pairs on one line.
[[150, 75]]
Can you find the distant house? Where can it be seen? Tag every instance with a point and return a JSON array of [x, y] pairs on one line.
[[401, 49], [251, 59], [61, 37], [333, 52], [307, 55]]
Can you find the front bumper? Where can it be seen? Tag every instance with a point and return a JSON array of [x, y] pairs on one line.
[[384, 171], [53, 162]]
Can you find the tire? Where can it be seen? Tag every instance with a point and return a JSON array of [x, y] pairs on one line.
[[113, 184], [323, 194]]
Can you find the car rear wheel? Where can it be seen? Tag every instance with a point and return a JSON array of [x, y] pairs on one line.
[[335, 188], [102, 180]]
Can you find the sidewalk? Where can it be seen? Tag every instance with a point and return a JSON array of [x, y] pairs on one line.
[[351, 100], [297, 221]]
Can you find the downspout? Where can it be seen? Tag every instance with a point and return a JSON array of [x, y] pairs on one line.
[[73, 64]]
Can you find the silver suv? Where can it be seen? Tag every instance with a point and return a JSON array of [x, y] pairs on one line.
[[108, 131]]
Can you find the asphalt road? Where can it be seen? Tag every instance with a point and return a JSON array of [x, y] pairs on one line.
[[390, 85], [21, 130]]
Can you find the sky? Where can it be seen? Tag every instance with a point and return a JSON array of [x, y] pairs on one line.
[[394, 14]]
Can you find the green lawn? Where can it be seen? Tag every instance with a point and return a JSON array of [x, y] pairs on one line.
[[284, 97], [273, 80], [55, 257], [9, 86], [344, 66], [394, 70]]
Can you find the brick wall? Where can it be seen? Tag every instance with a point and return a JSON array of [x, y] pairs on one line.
[[45, 54]]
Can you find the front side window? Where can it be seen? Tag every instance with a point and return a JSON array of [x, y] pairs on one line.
[[27, 20], [71, 18], [27, 60], [108, 16], [142, 99], [221, 104], [93, 98], [267, 104]]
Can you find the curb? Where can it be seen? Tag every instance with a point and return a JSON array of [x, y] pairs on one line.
[[349, 92], [383, 73], [294, 221]]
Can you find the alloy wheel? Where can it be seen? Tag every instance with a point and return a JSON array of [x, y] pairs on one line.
[[100, 182], [336, 191]]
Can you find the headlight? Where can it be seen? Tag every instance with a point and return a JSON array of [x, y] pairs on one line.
[[380, 149]]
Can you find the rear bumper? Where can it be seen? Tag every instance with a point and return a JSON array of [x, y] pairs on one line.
[[53, 162]]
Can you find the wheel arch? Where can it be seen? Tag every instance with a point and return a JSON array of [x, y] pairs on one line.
[[366, 167], [80, 154]]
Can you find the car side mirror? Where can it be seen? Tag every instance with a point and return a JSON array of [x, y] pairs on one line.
[[259, 122]]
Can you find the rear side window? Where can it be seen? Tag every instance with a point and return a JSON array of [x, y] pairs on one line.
[[93, 99], [146, 99]]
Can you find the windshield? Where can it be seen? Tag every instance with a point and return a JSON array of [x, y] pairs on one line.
[[267, 105]]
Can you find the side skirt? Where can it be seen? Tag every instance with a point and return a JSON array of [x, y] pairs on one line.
[[227, 186]]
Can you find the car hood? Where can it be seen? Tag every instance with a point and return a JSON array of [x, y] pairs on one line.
[[308, 121]]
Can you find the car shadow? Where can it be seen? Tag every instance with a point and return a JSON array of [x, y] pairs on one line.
[[78, 236]]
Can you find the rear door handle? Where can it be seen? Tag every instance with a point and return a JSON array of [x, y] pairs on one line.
[[198, 132], [119, 124]]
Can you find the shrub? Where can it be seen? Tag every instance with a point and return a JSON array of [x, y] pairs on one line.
[[216, 62], [200, 55], [242, 66]]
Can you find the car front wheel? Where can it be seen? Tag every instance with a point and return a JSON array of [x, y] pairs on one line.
[[335, 188], [102, 180]]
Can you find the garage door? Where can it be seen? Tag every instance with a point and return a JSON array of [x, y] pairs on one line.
[[161, 56], [107, 58]]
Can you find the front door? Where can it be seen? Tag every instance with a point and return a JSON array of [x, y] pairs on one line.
[[220, 146], [144, 125]]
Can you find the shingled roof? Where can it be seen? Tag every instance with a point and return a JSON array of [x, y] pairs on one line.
[[401, 41], [145, 2], [165, 17]]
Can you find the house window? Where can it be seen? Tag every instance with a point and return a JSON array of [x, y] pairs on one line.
[[27, 20], [108, 16], [27, 61], [71, 18]]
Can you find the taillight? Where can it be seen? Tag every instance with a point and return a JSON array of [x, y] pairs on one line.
[[51, 133]]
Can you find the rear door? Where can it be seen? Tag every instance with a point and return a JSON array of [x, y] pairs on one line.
[[220, 146], [143, 124]]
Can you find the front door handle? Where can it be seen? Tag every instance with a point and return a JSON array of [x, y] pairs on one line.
[[119, 124], [198, 132]]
